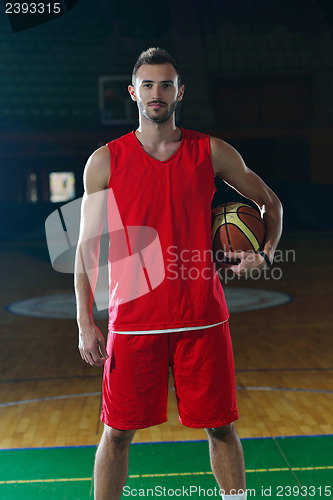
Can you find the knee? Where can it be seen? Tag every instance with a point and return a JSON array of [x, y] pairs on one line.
[[223, 433], [118, 438]]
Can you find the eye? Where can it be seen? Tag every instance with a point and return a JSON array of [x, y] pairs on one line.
[[148, 85], [166, 85]]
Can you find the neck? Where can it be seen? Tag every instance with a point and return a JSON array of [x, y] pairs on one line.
[[156, 133]]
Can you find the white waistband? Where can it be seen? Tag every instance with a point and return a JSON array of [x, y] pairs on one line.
[[183, 329]]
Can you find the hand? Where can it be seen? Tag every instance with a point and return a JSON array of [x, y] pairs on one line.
[[248, 262], [92, 345]]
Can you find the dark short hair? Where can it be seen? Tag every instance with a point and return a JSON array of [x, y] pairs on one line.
[[154, 55]]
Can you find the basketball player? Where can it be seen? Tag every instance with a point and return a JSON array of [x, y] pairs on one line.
[[162, 177]]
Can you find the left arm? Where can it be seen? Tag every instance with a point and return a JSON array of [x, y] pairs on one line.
[[230, 167]]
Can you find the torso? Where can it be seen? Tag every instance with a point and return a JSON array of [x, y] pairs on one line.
[[167, 190], [160, 154]]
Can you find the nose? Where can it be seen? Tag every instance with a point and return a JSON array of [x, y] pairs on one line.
[[157, 92]]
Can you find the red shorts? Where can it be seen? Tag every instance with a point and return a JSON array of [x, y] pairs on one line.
[[135, 383]]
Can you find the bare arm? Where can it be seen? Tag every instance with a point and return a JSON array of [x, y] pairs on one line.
[[96, 176], [230, 167]]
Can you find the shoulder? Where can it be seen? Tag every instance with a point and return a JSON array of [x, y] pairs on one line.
[[219, 146], [193, 135], [224, 156], [198, 142], [119, 142], [97, 170]]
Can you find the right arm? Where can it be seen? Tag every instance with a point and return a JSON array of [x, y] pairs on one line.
[[96, 179]]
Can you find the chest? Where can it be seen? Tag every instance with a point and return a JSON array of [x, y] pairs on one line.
[[162, 153]]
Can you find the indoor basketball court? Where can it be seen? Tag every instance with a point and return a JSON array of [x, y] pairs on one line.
[[50, 400], [55, 111]]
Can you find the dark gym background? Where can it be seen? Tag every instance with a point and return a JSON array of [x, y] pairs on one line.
[[258, 74]]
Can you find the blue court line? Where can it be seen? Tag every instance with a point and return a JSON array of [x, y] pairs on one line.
[[167, 442], [284, 370], [288, 437]]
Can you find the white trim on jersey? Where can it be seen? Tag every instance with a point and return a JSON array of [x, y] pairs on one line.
[[169, 330]]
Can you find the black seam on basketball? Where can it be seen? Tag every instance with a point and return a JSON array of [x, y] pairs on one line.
[[227, 205], [215, 232], [242, 213], [251, 215], [214, 237], [226, 229], [232, 224]]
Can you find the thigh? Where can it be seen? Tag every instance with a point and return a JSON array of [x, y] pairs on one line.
[[135, 382], [203, 367]]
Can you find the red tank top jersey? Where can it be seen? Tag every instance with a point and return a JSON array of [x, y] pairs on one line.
[[173, 197]]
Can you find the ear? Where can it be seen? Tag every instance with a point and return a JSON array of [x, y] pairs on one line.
[[181, 93], [131, 90]]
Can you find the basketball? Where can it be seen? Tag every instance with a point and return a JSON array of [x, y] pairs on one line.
[[236, 227]]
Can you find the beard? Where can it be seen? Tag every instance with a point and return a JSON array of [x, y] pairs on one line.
[[160, 119]]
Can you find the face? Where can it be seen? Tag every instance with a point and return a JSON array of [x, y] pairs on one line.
[[156, 91]]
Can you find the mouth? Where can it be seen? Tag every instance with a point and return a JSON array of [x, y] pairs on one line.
[[156, 105]]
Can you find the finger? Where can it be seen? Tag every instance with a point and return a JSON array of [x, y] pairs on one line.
[[83, 356], [236, 265], [86, 358], [233, 258], [238, 269], [229, 255], [235, 255], [90, 359], [227, 263], [95, 359], [99, 363], [235, 270], [102, 349]]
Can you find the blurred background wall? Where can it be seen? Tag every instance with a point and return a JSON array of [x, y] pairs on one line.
[[258, 74]]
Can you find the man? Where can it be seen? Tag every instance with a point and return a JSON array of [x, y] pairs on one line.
[[162, 177]]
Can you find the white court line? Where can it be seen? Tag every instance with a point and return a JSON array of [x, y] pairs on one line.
[[89, 394]]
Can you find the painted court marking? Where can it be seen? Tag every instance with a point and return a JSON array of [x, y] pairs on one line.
[[62, 305], [238, 370], [90, 394], [168, 474]]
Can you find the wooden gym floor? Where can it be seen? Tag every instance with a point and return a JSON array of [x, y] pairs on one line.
[[283, 356]]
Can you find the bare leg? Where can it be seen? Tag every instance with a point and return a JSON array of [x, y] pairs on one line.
[[227, 459], [111, 463]]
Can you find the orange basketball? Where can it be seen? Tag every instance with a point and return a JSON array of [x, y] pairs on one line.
[[236, 227]]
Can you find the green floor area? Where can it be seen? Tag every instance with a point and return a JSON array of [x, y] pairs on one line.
[[300, 467]]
